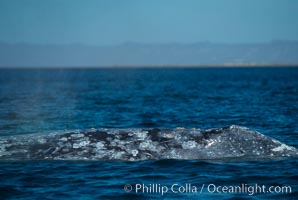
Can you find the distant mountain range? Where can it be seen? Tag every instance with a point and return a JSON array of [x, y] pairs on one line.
[[138, 54]]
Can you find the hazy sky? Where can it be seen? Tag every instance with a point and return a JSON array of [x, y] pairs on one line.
[[104, 22]]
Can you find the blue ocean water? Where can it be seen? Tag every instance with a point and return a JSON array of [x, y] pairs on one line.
[[51, 100]]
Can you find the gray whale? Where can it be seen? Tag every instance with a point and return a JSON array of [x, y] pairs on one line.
[[233, 142]]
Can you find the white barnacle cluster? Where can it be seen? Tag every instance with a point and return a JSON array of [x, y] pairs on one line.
[[241, 128], [149, 145], [195, 132], [80, 144], [283, 147], [100, 145], [41, 140], [63, 139], [166, 135], [145, 144], [3, 148], [110, 131], [92, 130], [100, 150], [77, 135], [131, 149], [141, 135], [133, 152], [119, 143], [211, 142], [117, 155], [174, 154], [80, 140], [189, 144]]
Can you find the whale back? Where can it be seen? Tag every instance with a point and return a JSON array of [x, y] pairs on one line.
[[233, 142]]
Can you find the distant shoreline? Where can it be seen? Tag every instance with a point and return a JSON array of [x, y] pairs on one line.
[[225, 65]]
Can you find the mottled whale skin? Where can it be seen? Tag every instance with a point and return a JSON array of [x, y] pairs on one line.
[[233, 142]]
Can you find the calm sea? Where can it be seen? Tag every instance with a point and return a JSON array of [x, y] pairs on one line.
[[51, 100]]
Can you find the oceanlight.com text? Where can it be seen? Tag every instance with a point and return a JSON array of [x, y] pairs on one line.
[[249, 189]]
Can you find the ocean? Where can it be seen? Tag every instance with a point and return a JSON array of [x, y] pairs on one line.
[[47, 101]]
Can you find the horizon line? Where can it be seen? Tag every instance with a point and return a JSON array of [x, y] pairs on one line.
[[225, 65], [151, 43]]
